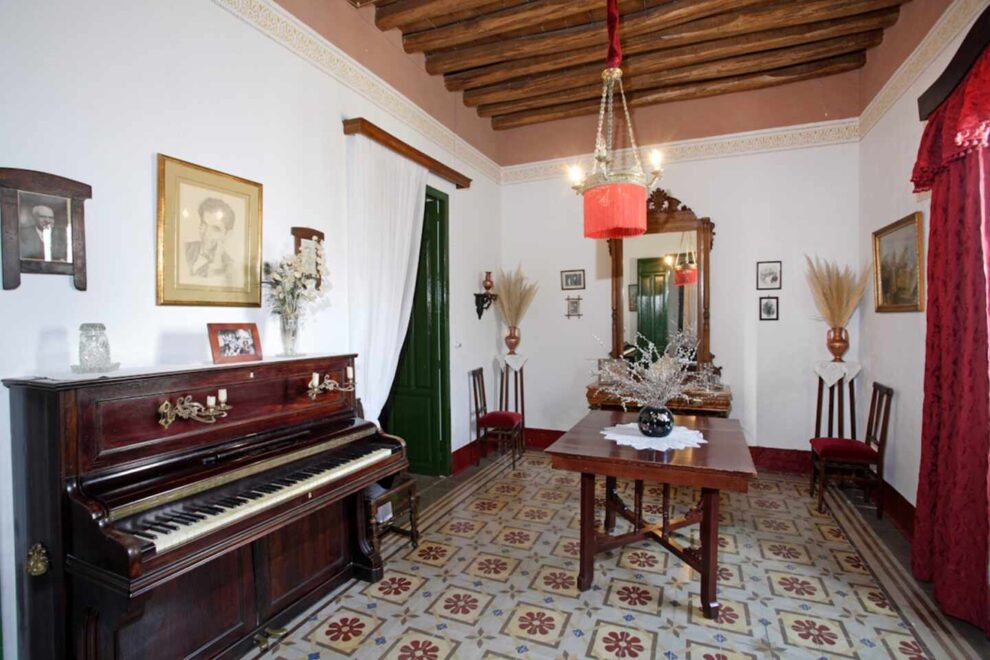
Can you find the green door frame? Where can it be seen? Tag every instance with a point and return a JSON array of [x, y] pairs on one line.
[[429, 435], [443, 297]]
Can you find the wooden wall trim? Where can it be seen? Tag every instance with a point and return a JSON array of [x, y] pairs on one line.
[[361, 126]]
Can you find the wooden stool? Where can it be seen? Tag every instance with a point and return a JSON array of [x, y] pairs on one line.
[[403, 485]]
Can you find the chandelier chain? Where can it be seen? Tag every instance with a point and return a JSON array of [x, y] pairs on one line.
[[632, 136]]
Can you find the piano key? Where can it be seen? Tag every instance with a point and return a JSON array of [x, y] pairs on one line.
[[218, 514]]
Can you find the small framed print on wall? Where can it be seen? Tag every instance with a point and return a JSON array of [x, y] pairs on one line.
[[306, 243], [769, 308], [209, 236], [43, 227], [633, 297], [234, 342], [571, 280], [768, 275], [898, 266]]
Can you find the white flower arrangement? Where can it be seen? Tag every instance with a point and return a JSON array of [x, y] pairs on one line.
[[292, 281], [654, 378]]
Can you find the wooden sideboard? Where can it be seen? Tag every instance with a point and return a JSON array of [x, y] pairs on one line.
[[717, 404]]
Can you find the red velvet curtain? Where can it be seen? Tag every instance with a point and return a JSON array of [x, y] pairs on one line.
[[952, 521]]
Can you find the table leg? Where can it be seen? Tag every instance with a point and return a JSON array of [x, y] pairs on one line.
[[610, 483], [638, 503], [709, 552], [586, 573]]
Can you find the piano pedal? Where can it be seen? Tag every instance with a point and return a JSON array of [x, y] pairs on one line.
[[276, 633], [261, 641]]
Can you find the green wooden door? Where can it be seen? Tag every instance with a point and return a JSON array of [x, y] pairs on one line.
[[418, 407], [651, 313]]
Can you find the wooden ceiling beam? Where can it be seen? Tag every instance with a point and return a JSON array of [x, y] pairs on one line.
[[488, 25], [831, 66], [699, 35], [569, 79], [641, 35], [406, 12], [590, 34], [735, 66]]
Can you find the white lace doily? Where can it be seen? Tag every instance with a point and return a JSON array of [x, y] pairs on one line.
[[629, 435], [831, 372]]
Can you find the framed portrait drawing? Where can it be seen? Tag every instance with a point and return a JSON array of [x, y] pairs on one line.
[[768, 275], [633, 297], [898, 266], [234, 342], [573, 307], [571, 280], [43, 227], [769, 308], [209, 236]]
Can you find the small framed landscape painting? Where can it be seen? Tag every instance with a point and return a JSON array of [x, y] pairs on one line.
[[898, 266], [768, 275], [769, 308], [234, 342], [571, 279], [209, 237]]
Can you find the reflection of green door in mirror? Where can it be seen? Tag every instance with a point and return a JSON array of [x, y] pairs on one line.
[[418, 408], [651, 321]]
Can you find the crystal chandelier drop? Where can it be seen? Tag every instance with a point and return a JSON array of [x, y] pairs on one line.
[[614, 198]]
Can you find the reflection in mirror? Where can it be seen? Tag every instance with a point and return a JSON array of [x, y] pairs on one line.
[[660, 282]]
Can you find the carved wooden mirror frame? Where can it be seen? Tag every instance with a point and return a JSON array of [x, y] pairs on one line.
[[667, 214]]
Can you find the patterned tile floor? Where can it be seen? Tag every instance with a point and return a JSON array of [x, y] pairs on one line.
[[495, 577]]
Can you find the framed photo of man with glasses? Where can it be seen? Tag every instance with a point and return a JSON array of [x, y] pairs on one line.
[[43, 228], [209, 236]]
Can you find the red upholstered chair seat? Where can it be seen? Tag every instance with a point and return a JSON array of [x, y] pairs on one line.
[[843, 449], [500, 419]]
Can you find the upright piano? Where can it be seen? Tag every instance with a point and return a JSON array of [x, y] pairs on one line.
[[188, 513]]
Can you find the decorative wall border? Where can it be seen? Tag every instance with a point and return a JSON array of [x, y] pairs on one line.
[[281, 26], [947, 28], [738, 144]]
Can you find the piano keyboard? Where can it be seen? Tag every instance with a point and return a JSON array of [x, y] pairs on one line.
[[193, 521]]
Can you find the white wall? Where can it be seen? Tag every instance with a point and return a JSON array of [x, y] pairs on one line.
[[769, 206], [893, 345], [96, 100]]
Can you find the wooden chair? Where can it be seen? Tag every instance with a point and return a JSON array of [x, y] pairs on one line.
[[404, 486], [506, 426], [858, 461]]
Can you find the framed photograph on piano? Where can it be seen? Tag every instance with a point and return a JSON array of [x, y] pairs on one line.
[[234, 342]]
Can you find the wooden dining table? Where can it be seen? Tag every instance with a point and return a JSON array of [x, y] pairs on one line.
[[722, 464]]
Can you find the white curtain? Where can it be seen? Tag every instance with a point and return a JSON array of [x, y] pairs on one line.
[[386, 199]]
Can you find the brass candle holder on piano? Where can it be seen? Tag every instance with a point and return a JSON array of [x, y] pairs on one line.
[[316, 386], [185, 408]]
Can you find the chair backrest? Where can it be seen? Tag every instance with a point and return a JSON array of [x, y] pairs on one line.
[[876, 423], [837, 410], [477, 377], [511, 391]]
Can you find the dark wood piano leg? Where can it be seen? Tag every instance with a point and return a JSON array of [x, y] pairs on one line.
[[586, 573], [367, 560], [709, 552], [638, 503], [610, 504]]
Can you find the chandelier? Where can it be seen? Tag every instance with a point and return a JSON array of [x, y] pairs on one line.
[[614, 198]]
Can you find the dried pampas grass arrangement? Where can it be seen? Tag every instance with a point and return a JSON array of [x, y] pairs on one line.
[[837, 291], [514, 296]]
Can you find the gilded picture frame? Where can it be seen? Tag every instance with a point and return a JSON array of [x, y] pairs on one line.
[[209, 236], [899, 265]]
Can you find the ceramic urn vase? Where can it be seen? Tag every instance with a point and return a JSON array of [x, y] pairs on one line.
[[837, 341], [512, 339]]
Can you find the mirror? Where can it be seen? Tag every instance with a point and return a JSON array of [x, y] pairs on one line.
[[660, 279], [660, 282]]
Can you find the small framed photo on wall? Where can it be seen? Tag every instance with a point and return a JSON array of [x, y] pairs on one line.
[[234, 342], [42, 222], [769, 308], [768, 275], [571, 280], [633, 297]]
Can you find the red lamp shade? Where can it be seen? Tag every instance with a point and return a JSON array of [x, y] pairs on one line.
[[615, 210], [686, 275]]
